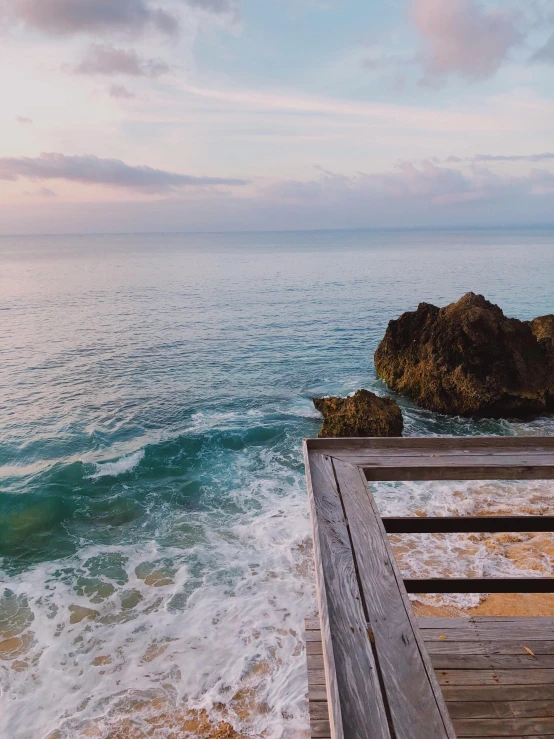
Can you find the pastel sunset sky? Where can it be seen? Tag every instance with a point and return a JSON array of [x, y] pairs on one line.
[[187, 115]]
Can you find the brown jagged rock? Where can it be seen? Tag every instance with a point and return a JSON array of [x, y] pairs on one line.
[[543, 328], [361, 414], [469, 359]]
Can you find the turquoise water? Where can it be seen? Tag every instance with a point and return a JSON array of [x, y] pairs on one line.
[[154, 537]]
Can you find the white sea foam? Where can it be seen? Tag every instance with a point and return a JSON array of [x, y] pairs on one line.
[[213, 622], [120, 467]]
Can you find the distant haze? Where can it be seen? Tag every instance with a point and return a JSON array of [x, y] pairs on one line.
[[216, 115]]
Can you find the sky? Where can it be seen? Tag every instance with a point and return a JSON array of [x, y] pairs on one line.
[[215, 115]]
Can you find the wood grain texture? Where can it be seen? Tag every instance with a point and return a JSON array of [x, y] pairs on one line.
[[488, 647], [430, 444], [496, 692], [415, 706], [504, 727], [356, 708], [502, 709], [504, 632], [522, 661], [465, 472], [496, 677]]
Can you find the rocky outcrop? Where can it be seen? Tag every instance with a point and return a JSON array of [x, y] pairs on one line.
[[361, 414], [543, 329], [469, 359]]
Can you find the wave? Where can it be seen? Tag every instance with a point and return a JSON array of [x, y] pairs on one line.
[[121, 466]]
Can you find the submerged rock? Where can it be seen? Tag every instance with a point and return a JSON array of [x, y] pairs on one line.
[[469, 359], [361, 414]]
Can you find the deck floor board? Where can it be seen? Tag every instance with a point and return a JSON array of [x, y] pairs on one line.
[[493, 688]]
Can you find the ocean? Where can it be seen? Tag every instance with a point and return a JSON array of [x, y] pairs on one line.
[[155, 560]]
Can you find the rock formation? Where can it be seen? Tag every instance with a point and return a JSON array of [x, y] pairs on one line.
[[361, 414], [468, 359]]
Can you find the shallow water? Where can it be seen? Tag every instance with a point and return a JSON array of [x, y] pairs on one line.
[[154, 538]]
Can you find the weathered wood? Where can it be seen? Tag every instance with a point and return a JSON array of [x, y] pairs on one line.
[[465, 621], [463, 472], [317, 692], [493, 684], [502, 709], [480, 585], [356, 708], [430, 444], [498, 677], [466, 524], [522, 661], [496, 692], [504, 727], [507, 632], [491, 647], [414, 705]]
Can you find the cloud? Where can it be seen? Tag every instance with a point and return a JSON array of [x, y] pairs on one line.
[[23, 119], [44, 192], [546, 53], [214, 6], [423, 185], [121, 92], [546, 156], [111, 172], [107, 60], [69, 17], [464, 37]]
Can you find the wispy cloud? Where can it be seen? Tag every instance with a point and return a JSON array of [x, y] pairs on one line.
[[464, 37], [546, 53], [23, 119], [120, 92], [68, 17], [43, 192], [95, 17], [105, 59], [111, 172], [545, 156]]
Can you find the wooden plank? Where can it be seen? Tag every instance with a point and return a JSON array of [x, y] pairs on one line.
[[431, 461], [442, 445], [466, 524], [314, 647], [502, 709], [504, 727], [320, 729], [312, 624], [496, 692], [414, 700], [507, 633], [465, 472], [491, 647], [317, 693], [443, 623], [499, 677], [356, 708], [522, 661], [480, 585], [319, 711], [459, 622]]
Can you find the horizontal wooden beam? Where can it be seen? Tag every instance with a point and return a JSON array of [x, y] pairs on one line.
[[420, 471], [480, 585], [466, 524]]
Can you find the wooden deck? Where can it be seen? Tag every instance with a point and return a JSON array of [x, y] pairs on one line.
[[493, 686], [375, 671]]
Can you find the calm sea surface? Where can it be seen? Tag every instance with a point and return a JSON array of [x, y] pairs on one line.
[[154, 534]]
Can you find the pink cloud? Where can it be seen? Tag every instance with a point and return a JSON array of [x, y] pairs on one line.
[[463, 37]]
